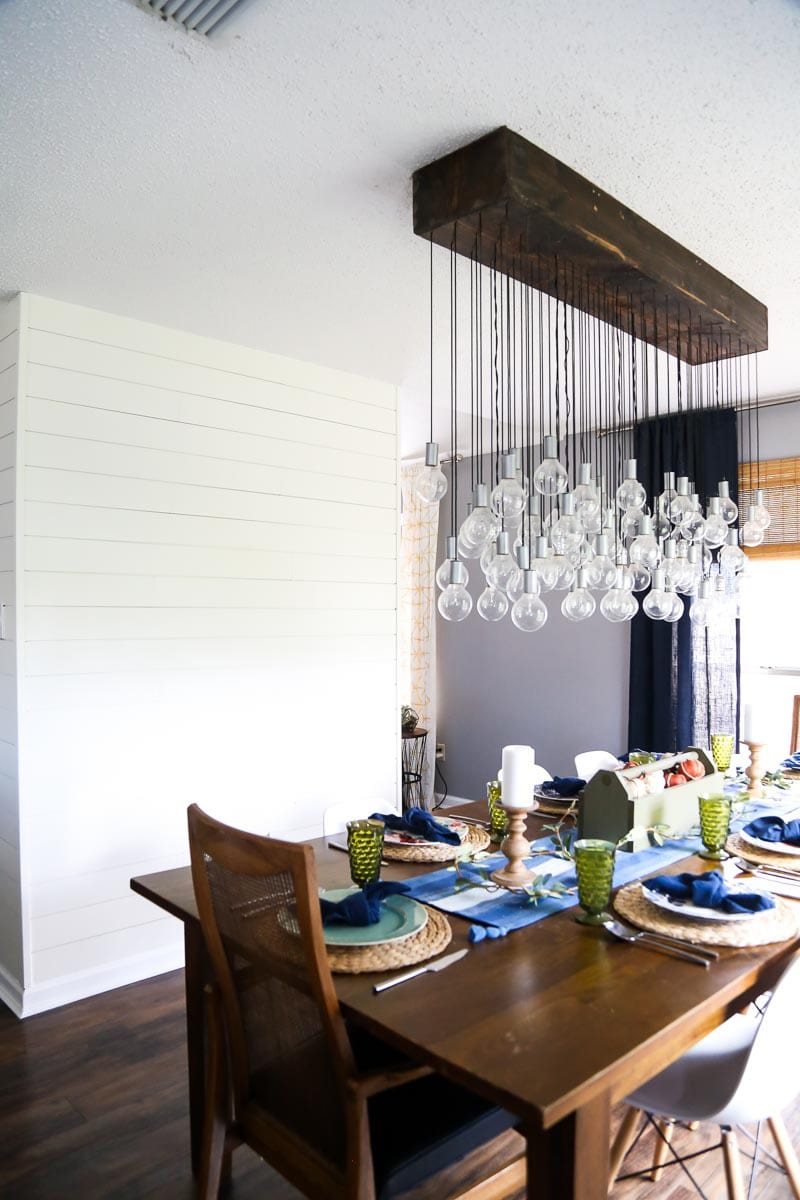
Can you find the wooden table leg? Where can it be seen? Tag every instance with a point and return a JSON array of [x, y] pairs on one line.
[[195, 976], [571, 1160]]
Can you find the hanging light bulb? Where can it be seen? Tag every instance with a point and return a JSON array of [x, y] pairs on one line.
[[534, 520], [670, 563], [455, 602], [644, 547], [492, 604], [431, 483], [731, 557], [529, 612], [630, 493], [516, 583], [728, 510], [693, 525], [619, 603], [716, 531], [657, 603], [668, 495], [601, 571], [752, 532], [567, 532], [481, 526], [550, 478], [508, 498], [545, 565], [641, 576], [502, 567], [702, 608], [662, 526], [629, 522], [681, 506], [566, 572], [676, 605], [579, 603], [762, 516], [693, 570], [586, 496], [443, 573]]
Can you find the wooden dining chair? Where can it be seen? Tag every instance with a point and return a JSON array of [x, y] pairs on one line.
[[337, 1114]]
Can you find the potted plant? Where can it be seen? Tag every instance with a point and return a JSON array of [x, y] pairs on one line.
[[409, 719]]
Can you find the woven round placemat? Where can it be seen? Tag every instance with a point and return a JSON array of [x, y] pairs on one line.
[[475, 837], [427, 943], [777, 924], [737, 845]]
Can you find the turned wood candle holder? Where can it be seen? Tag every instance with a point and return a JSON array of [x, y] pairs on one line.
[[516, 847], [755, 771]]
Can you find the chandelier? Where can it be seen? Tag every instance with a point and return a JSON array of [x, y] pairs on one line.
[[571, 322]]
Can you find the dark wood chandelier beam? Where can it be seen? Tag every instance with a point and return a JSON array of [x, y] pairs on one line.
[[544, 224]]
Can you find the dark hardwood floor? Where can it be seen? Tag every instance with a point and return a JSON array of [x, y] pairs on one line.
[[93, 1106]]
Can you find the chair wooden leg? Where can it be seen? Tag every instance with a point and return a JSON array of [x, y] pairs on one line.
[[733, 1165], [663, 1142], [215, 1118], [622, 1142], [780, 1136]]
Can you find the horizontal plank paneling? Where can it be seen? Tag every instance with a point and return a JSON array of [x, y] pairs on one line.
[[72, 320], [128, 526], [91, 954], [8, 354], [55, 895], [133, 462], [191, 439], [89, 921], [107, 491]]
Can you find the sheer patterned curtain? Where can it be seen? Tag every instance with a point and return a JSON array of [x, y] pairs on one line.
[[417, 627]]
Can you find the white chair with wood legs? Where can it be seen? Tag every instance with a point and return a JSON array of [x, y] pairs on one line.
[[590, 762], [746, 1071]]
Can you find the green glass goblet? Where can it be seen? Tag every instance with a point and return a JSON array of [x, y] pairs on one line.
[[715, 822], [364, 849], [721, 750], [594, 866], [498, 818]]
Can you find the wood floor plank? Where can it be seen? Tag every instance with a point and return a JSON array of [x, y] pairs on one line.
[[94, 1106]]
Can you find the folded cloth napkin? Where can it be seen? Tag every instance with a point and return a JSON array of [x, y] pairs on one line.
[[362, 907], [792, 763], [774, 829], [564, 788], [709, 891], [421, 824]]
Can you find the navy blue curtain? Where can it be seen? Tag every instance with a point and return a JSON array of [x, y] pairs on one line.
[[702, 446]]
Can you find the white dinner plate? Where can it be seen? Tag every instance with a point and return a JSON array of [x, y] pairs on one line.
[[771, 847], [683, 908], [394, 837]]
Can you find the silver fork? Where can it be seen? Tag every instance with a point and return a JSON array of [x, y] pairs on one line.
[[649, 935], [762, 869], [621, 933]]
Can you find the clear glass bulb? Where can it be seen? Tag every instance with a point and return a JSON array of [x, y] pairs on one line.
[[488, 555], [508, 500], [662, 526], [594, 522], [492, 604], [630, 494], [455, 602], [761, 516], [666, 498], [430, 485], [644, 550], [567, 533], [657, 604], [752, 534], [601, 572], [480, 527], [515, 586], [550, 478], [529, 613], [641, 576], [693, 526], [443, 575], [501, 571], [466, 547], [629, 521], [587, 501], [679, 509], [578, 604], [700, 612], [728, 510], [619, 604], [676, 610], [566, 572], [732, 559], [579, 555], [716, 531], [548, 571]]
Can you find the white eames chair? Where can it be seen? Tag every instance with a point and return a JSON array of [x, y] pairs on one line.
[[745, 1071], [335, 818], [592, 761]]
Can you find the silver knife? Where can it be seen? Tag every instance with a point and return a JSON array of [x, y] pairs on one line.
[[437, 965]]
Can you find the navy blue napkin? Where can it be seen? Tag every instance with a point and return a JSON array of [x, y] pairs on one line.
[[792, 763], [421, 824], [362, 907], [774, 829], [563, 787], [709, 891]]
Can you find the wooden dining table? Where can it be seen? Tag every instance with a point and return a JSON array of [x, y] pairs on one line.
[[556, 1022]]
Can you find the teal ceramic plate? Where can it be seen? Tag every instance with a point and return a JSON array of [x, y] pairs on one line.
[[400, 918]]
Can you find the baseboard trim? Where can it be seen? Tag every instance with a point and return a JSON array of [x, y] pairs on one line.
[[11, 992], [69, 988]]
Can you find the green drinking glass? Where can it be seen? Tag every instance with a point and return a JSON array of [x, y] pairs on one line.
[[721, 750], [594, 866], [364, 849], [715, 823], [498, 819]]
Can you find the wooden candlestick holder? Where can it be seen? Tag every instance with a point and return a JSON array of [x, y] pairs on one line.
[[755, 771], [516, 847]]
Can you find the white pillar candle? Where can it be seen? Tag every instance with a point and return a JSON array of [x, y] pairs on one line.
[[518, 763], [752, 733]]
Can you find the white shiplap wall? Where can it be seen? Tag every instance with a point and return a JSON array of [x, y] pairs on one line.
[[210, 545], [11, 955]]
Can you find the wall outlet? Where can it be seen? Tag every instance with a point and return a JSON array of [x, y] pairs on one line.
[[440, 751]]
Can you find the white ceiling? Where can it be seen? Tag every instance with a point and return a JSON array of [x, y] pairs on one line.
[[257, 188]]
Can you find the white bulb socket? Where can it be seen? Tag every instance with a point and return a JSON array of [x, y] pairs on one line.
[[669, 481], [645, 527], [693, 554], [567, 505], [759, 496], [657, 580], [695, 498], [669, 549], [630, 468], [431, 454], [751, 512], [601, 544], [524, 558], [503, 542], [508, 465], [704, 591], [517, 452], [549, 447], [733, 537], [580, 579], [542, 548], [451, 546], [585, 475], [533, 506], [530, 583], [619, 579], [457, 573], [724, 489], [683, 485], [481, 495]]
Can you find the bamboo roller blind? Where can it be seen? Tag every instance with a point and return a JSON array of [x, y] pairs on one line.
[[780, 479]]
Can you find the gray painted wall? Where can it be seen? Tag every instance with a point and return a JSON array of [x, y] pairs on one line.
[[561, 690], [779, 432]]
